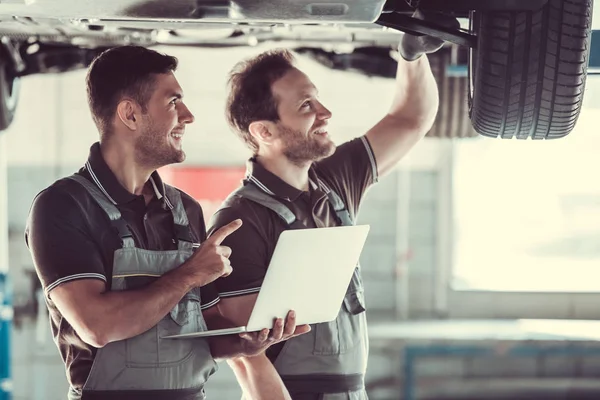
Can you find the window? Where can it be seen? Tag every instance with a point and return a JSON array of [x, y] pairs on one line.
[[526, 216]]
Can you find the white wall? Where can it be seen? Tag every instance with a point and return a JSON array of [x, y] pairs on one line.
[[54, 123]]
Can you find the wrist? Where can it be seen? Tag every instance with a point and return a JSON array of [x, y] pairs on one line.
[[248, 351], [251, 360], [410, 57], [411, 47], [187, 277]]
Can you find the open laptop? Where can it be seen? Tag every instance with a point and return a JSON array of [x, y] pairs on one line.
[[309, 273]]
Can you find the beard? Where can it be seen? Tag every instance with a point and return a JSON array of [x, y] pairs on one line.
[[300, 149], [152, 148]]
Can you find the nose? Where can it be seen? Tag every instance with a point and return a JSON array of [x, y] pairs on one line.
[[323, 113], [185, 115]]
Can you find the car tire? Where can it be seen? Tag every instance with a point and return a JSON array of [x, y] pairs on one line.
[[9, 91], [452, 119], [527, 74]]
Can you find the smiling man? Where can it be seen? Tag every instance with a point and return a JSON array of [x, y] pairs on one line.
[[298, 179], [123, 258]]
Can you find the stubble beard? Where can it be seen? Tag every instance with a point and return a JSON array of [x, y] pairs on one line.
[[300, 150], [153, 150]]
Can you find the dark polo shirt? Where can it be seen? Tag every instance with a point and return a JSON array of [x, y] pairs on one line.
[[70, 241], [348, 172]]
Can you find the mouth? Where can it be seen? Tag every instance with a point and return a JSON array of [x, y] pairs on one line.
[[177, 135], [321, 132]]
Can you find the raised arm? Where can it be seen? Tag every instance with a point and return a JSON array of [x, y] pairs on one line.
[[410, 117], [415, 103]]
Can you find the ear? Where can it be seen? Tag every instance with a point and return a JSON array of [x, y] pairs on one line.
[[261, 131], [129, 114]]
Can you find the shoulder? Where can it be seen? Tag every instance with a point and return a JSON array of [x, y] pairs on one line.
[[60, 198], [238, 207], [65, 206], [257, 222], [353, 151]]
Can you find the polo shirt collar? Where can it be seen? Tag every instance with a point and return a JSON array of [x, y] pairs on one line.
[[107, 182], [275, 186]]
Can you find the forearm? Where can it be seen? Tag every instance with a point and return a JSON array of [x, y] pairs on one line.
[[258, 378], [124, 314], [416, 98], [225, 346], [410, 117]]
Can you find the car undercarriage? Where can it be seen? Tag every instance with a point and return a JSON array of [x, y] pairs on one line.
[[523, 63]]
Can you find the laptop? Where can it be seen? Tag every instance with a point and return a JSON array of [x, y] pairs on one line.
[[310, 272]]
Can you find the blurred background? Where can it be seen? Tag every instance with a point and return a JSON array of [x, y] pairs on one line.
[[481, 268]]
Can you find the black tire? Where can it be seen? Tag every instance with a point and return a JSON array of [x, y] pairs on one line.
[[529, 69], [9, 91], [452, 119]]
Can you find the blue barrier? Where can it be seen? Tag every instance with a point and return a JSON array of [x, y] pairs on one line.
[[457, 70], [594, 64], [6, 314], [413, 352]]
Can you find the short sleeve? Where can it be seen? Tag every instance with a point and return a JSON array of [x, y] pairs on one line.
[[351, 170], [209, 296], [249, 257], [59, 240]]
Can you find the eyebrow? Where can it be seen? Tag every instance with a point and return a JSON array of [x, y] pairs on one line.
[[312, 90], [307, 94], [177, 95]]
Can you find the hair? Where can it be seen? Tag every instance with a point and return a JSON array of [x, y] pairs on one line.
[[126, 71], [250, 97]]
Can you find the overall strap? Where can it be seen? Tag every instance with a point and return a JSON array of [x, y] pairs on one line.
[[183, 233], [341, 211], [109, 208], [251, 192]]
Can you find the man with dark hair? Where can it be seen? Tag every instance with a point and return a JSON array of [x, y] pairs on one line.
[[105, 85], [251, 99], [124, 258], [297, 179]]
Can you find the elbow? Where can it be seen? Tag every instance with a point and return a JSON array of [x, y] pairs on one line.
[[414, 127], [96, 340], [423, 127], [423, 122], [430, 117], [420, 126], [93, 335], [417, 123]]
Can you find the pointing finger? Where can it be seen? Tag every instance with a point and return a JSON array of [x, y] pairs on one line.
[[222, 233]]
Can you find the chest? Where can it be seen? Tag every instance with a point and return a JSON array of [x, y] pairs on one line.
[[313, 210], [152, 226]]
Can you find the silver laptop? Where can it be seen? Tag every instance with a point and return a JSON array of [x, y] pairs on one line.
[[309, 273]]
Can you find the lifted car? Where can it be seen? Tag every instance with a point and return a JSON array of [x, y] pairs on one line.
[[527, 59]]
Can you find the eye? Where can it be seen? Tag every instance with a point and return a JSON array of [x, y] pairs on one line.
[[306, 104], [174, 101]]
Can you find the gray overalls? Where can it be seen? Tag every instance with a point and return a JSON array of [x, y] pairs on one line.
[[145, 362], [332, 358]]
